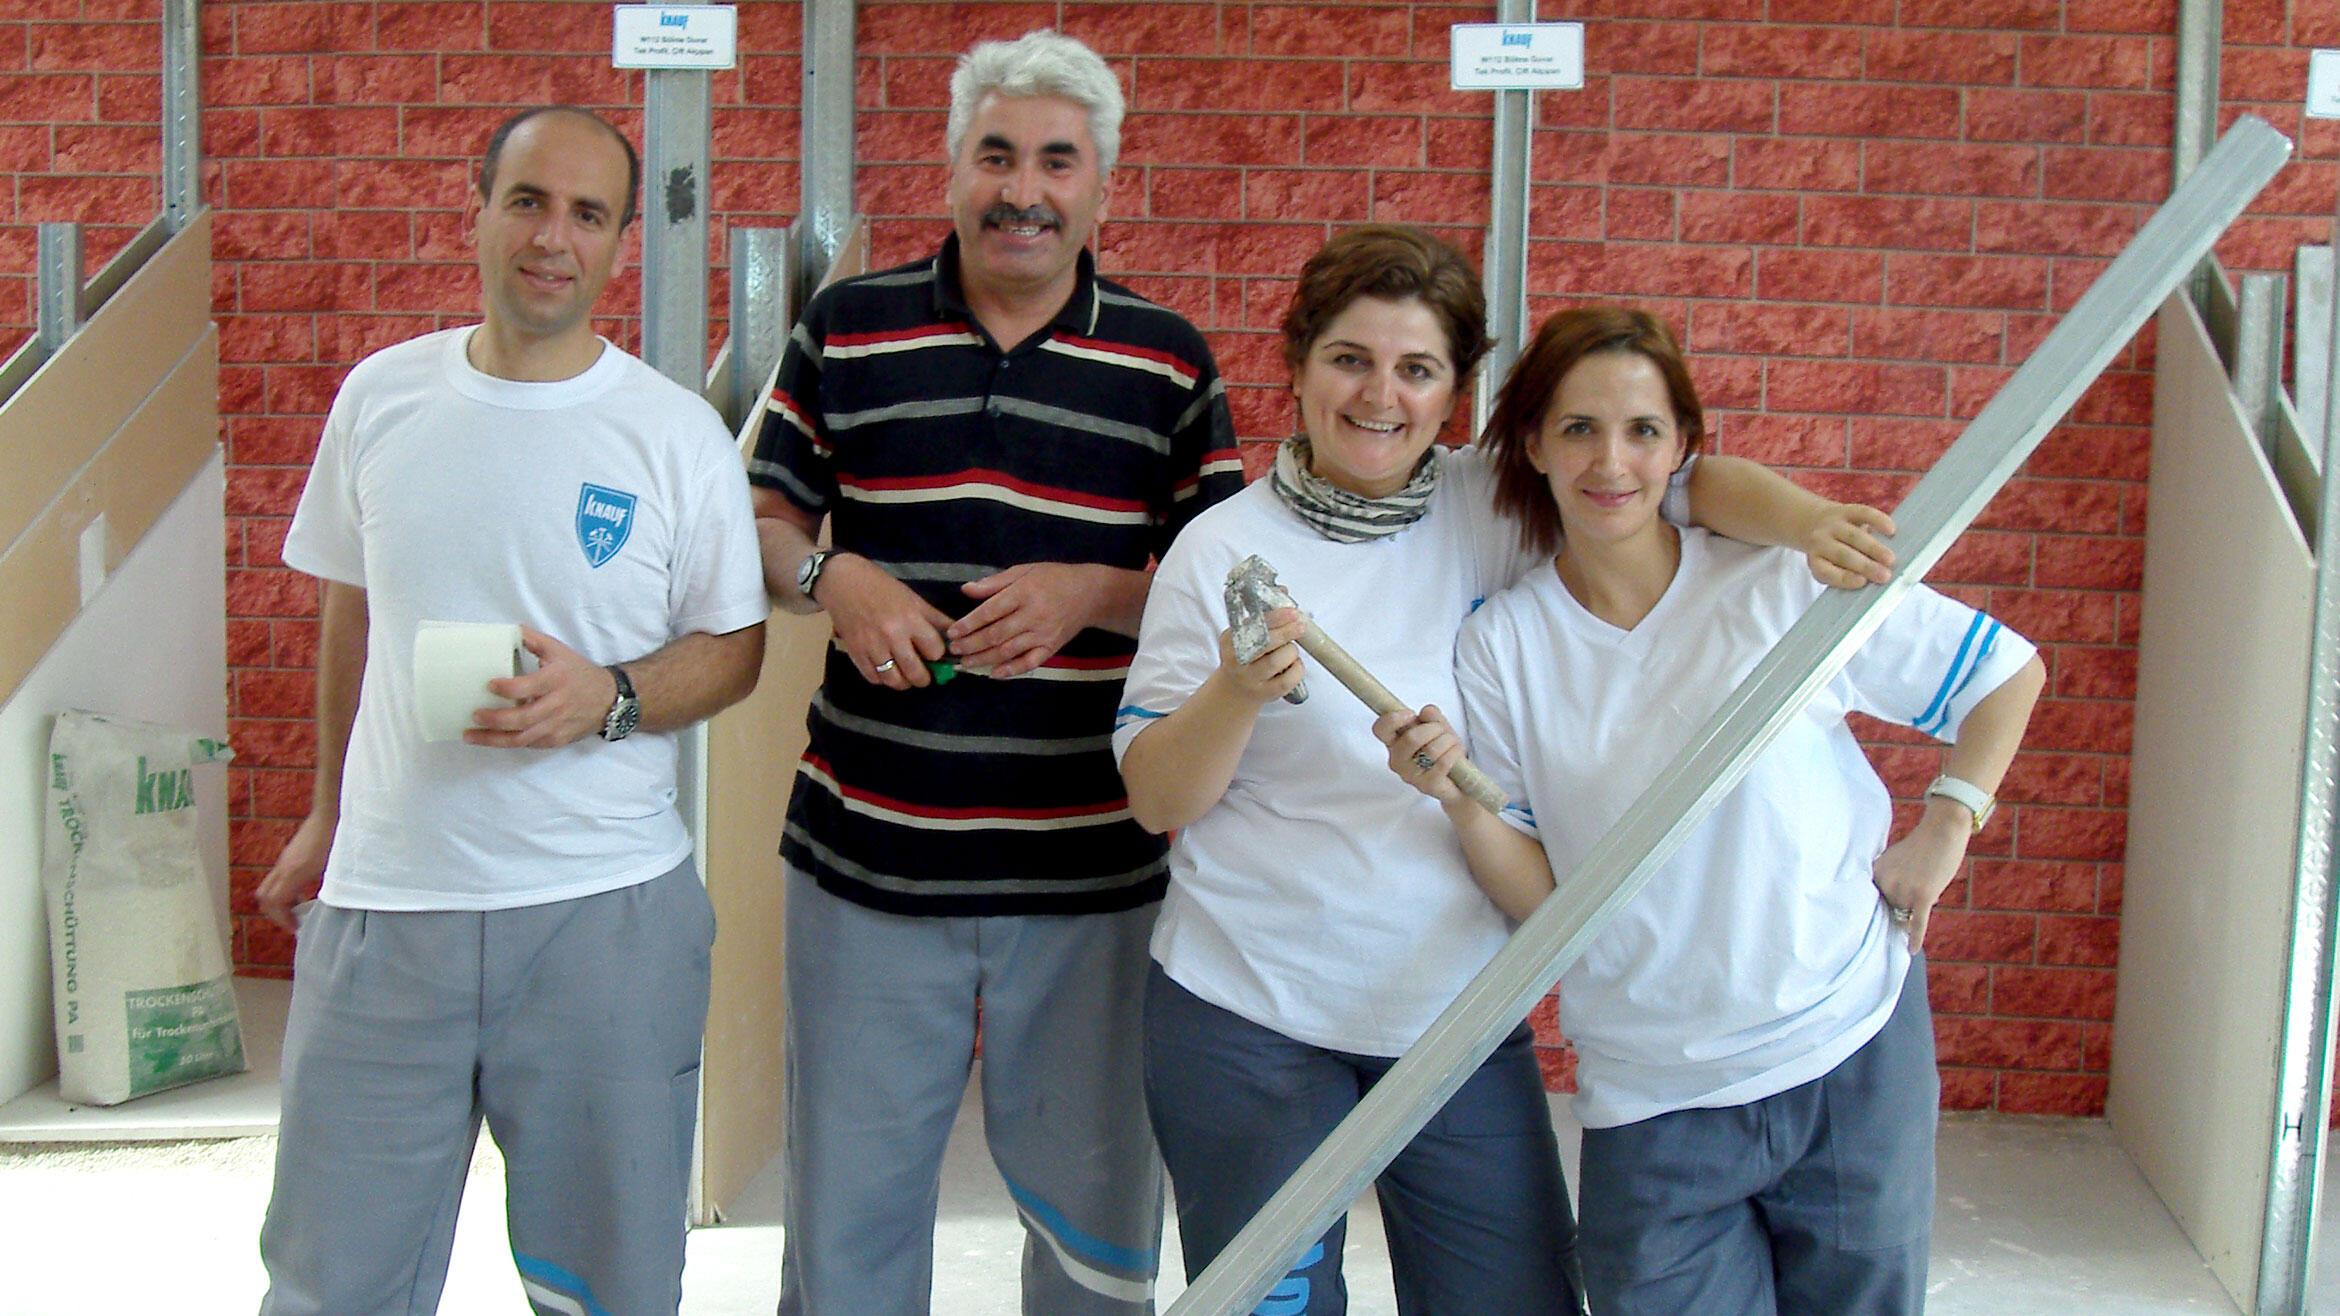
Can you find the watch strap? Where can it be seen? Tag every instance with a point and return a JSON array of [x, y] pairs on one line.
[[625, 711], [1978, 801], [808, 572]]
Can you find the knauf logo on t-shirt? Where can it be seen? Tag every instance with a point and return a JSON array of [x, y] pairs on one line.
[[604, 518]]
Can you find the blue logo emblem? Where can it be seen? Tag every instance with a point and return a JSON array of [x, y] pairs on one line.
[[605, 518]]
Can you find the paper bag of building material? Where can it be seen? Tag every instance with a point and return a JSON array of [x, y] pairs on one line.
[[145, 998]]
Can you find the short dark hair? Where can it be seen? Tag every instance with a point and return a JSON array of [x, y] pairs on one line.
[[495, 152], [1517, 420], [1394, 261]]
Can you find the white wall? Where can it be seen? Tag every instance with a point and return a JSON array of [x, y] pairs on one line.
[[152, 644]]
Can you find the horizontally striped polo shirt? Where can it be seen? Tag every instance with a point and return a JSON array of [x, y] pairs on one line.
[[943, 459]]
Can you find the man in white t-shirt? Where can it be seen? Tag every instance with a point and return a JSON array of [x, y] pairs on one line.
[[510, 927]]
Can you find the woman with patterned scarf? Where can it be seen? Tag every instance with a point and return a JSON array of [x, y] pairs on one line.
[[1320, 913]]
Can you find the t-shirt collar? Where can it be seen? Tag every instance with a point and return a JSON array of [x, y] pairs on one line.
[[607, 370]]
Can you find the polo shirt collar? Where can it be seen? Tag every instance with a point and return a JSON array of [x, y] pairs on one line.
[[1077, 316]]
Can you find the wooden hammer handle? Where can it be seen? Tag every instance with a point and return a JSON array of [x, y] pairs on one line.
[[1466, 775]]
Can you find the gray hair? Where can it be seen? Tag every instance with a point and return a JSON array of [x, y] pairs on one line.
[[1039, 63]]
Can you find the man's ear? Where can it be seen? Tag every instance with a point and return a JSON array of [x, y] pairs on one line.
[[1104, 205]]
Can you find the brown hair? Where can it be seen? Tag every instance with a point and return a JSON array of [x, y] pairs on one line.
[[1394, 261], [1521, 492]]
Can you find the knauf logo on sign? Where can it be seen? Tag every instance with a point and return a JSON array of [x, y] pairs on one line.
[[1527, 39], [674, 20], [604, 518]]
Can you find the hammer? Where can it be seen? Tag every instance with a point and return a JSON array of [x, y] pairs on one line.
[[1252, 593]]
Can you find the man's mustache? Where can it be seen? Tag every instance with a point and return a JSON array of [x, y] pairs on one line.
[[1004, 214]]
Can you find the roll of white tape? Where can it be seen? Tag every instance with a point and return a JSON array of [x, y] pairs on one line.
[[453, 662]]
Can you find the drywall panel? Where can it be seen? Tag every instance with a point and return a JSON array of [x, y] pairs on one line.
[[752, 749], [75, 402], [152, 644], [2213, 807], [134, 473]]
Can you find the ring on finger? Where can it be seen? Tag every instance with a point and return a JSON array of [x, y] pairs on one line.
[[884, 667], [1423, 760], [1900, 914]]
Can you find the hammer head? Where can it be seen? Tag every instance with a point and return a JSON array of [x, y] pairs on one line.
[[1252, 593]]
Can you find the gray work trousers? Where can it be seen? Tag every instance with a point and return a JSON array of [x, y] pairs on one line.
[[1817, 1201], [572, 1028], [881, 1036]]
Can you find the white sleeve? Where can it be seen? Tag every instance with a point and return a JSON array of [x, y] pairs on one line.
[[717, 581], [1932, 661], [324, 540], [1502, 559], [1675, 506], [1178, 644], [1491, 731]]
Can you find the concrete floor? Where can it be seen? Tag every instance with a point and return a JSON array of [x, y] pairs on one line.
[[2032, 1216]]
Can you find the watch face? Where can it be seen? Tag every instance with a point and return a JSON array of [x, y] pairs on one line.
[[623, 718], [808, 572]]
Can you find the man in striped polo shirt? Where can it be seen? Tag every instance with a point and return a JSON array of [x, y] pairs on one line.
[[1001, 442]]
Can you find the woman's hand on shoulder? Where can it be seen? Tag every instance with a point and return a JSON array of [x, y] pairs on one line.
[[1842, 544], [1277, 669], [1423, 749]]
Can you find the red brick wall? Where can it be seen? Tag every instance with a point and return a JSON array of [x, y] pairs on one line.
[[80, 134], [1863, 213]]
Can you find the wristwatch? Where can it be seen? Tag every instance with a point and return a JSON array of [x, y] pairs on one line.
[[625, 711], [808, 571], [1978, 801]]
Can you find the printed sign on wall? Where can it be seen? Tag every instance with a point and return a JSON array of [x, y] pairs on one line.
[[1516, 56], [675, 37], [2323, 97]]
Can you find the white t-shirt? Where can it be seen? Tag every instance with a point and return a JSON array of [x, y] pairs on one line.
[[1759, 956], [1322, 897], [608, 510]]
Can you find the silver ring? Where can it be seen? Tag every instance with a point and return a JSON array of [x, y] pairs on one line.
[[1423, 760], [884, 667], [1900, 915]]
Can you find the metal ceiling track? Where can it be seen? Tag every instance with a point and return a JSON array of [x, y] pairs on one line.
[[2164, 253]]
